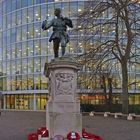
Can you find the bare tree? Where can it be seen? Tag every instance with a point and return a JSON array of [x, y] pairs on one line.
[[114, 28]]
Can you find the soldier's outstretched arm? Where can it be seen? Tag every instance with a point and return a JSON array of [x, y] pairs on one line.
[[46, 25]]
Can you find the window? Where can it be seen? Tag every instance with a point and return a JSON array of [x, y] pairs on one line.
[[18, 50], [24, 32], [0, 52], [24, 66], [30, 67], [30, 102], [13, 5], [18, 34], [19, 4], [4, 22], [37, 47], [37, 29], [43, 61], [24, 16], [43, 12], [4, 53], [19, 101], [65, 9], [13, 35], [8, 54], [37, 65], [30, 15], [50, 48], [13, 83], [30, 2], [14, 19], [37, 82], [37, 1], [43, 47], [10, 101], [18, 17], [8, 83], [30, 82], [73, 8], [24, 82], [13, 51], [12, 67], [24, 49], [8, 36], [30, 31], [24, 3], [37, 13], [4, 7], [18, 66], [9, 68], [4, 80], [8, 4], [30, 48], [0, 22], [44, 84], [50, 11], [41, 101]]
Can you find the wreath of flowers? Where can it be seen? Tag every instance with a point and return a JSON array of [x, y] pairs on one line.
[[73, 136], [70, 136]]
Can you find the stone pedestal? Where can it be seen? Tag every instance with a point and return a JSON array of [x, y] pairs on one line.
[[63, 109]]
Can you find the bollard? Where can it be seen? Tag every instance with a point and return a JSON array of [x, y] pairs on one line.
[[106, 114], [91, 113], [129, 117]]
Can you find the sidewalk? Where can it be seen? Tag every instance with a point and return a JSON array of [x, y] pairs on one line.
[[16, 125]]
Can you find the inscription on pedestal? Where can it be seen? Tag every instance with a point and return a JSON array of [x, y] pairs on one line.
[[64, 83]]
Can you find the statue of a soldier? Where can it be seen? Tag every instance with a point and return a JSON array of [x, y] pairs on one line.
[[59, 35]]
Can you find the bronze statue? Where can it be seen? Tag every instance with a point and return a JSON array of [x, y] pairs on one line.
[[59, 35]]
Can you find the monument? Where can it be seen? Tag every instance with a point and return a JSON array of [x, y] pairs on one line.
[[63, 108], [63, 117]]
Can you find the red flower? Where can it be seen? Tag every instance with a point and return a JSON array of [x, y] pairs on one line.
[[90, 136], [73, 136], [33, 136], [45, 133]]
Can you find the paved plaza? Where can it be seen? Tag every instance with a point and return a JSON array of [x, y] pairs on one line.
[[16, 125]]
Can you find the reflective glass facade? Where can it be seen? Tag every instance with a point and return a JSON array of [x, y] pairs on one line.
[[25, 48]]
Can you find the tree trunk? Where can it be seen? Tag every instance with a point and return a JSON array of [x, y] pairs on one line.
[[104, 89], [125, 102], [110, 93]]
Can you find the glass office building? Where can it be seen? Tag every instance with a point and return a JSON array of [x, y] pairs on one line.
[[24, 49]]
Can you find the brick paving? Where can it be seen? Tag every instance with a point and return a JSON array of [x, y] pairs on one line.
[[16, 125]]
